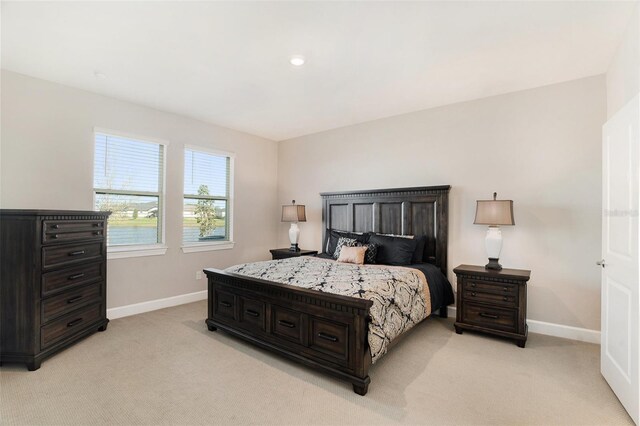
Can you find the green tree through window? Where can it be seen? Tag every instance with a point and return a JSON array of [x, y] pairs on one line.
[[205, 213]]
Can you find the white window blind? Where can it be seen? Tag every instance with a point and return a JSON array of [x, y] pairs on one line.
[[207, 196], [128, 178]]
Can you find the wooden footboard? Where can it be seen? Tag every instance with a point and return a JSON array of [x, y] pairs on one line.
[[324, 331]]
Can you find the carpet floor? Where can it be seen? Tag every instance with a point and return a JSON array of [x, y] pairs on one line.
[[165, 367]]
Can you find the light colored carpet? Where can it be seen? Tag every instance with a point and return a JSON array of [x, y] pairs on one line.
[[165, 367]]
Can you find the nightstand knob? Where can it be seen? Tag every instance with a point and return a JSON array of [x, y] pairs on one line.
[[505, 299], [473, 294], [505, 288], [473, 284]]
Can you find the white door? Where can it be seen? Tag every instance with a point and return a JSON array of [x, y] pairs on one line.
[[620, 268]]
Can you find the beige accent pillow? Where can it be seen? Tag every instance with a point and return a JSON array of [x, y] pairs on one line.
[[352, 255]]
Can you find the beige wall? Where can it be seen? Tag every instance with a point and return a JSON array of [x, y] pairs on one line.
[[539, 147], [46, 161], [623, 75]]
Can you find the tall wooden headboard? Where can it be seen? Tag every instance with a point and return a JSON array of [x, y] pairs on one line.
[[405, 211]]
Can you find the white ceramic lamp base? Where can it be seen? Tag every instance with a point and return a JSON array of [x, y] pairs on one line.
[[493, 244], [294, 235]]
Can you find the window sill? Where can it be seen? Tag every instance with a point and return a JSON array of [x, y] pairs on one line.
[[198, 247], [122, 252]]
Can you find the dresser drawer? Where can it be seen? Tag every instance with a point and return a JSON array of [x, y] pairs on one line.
[[60, 231], [63, 237], [491, 287], [225, 304], [54, 256], [286, 323], [53, 282], [252, 314], [70, 324], [493, 298], [329, 337], [70, 300], [501, 319]]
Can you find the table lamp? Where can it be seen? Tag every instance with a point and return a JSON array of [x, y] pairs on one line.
[[494, 213], [294, 213]]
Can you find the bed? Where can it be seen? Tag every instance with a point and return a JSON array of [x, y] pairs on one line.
[[322, 330]]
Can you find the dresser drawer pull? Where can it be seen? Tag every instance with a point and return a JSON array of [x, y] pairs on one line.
[[55, 226], [54, 236], [74, 299], [473, 284], [74, 322], [76, 253], [473, 294], [97, 225], [286, 323], [252, 313], [97, 233], [327, 337], [226, 304], [505, 298], [492, 316], [505, 288], [75, 276]]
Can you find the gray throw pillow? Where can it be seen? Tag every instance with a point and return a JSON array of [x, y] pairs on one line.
[[371, 253], [342, 242]]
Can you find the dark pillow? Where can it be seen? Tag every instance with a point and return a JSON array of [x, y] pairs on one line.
[[418, 255], [394, 250], [371, 253], [333, 236], [343, 242]]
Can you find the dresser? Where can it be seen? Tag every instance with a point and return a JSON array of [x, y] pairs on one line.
[[285, 253], [52, 281], [493, 302]]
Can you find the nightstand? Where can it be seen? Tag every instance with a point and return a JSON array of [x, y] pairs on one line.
[[492, 301], [284, 253]]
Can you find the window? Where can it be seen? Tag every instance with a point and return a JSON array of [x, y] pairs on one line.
[[128, 180], [207, 199]]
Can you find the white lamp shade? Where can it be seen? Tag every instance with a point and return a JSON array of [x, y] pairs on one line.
[[294, 213], [494, 212]]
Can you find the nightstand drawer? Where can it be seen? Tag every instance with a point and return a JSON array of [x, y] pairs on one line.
[[278, 256], [488, 286], [493, 298], [501, 319], [285, 253]]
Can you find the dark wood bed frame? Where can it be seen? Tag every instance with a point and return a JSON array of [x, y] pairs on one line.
[[325, 331]]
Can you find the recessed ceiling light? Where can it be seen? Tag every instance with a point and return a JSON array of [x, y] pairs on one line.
[[297, 60], [98, 74]]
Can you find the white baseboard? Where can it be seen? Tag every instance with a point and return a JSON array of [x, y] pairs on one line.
[[152, 305], [557, 330], [541, 327]]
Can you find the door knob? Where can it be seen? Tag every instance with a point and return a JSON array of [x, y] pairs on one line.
[[601, 263]]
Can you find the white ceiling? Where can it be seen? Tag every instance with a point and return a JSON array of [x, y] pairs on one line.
[[228, 62]]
